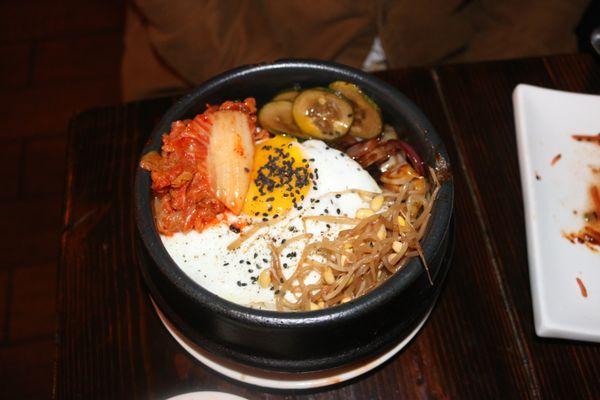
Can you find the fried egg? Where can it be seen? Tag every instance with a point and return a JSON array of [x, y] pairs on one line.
[[290, 181]]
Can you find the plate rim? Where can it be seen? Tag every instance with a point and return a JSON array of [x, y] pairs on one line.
[[211, 361]]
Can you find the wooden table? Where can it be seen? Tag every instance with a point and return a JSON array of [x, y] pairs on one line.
[[480, 340]]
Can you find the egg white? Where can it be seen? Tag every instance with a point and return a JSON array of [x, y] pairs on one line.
[[233, 274]]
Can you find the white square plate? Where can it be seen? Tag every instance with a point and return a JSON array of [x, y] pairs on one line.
[[555, 197]]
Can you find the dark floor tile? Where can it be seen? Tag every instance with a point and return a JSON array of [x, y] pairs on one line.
[[30, 232], [10, 154], [3, 303], [26, 216], [15, 64], [84, 57], [66, 81], [47, 108], [32, 304], [44, 167], [35, 19], [40, 246], [26, 370]]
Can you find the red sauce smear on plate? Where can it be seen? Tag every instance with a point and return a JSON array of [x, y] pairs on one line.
[[589, 235], [555, 159], [587, 138], [582, 288]]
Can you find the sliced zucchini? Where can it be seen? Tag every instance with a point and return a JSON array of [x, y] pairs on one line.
[[276, 117], [322, 114], [367, 116], [288, 95]]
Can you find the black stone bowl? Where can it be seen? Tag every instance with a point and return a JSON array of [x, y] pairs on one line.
[[302, 341]]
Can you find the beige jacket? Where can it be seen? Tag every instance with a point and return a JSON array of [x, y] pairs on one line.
[[174, 44]]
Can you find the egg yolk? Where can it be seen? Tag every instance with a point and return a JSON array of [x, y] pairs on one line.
[[281, 177]]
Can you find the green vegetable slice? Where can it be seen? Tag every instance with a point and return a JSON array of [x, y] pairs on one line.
[[276, 117], [322, 114], [367, 117]]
